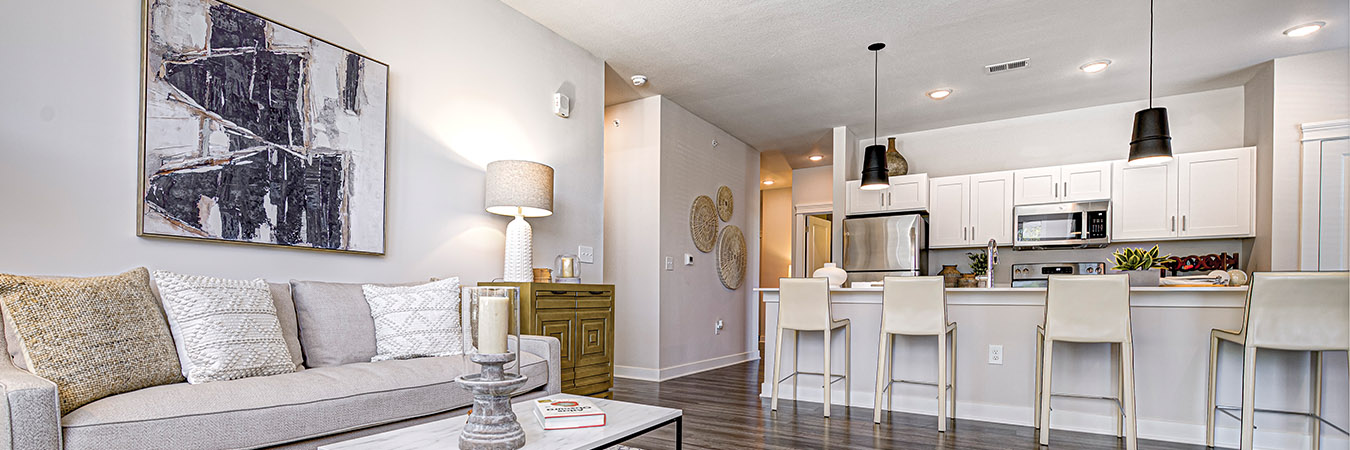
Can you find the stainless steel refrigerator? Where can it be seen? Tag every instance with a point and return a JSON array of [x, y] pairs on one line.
[[882, 246]]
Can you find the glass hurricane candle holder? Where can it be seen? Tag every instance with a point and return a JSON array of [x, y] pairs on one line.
[[491, 320], [567, 269]]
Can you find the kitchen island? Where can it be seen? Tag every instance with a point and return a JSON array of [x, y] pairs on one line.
[[1171, 327]]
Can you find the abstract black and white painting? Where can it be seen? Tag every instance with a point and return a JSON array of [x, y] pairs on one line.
[[256, 132]]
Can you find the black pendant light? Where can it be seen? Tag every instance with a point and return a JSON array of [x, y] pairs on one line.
[[1151, 142], [874, 173]]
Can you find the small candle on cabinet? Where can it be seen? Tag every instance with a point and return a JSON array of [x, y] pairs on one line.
[[494, 314], [567, 270]]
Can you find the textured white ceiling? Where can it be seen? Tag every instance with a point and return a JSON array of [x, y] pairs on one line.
[[778, 74]]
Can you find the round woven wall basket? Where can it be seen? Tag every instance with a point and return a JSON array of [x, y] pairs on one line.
[[731, 257], [703, 223], [724, 203]]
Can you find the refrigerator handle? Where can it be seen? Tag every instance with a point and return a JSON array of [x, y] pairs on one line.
[[914, 248]]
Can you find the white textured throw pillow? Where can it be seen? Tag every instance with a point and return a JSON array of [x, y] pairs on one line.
[[416, 321], [223, 329]]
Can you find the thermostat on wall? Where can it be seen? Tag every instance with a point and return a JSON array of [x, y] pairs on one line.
[[562, 106]]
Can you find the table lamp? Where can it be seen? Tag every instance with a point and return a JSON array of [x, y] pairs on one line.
[[521, 189]]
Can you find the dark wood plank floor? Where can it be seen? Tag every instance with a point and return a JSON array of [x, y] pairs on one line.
[[723, 410]]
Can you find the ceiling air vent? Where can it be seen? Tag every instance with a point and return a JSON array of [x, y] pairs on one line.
[[1006, 66]]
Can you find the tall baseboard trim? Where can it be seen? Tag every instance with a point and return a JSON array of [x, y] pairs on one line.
[[672, 372], [1161, 430]]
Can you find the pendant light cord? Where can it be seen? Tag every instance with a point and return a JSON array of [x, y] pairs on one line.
[[1150, 54], [876, 76]]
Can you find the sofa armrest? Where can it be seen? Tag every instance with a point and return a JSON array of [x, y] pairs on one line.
[[547, 347], [30, 410]]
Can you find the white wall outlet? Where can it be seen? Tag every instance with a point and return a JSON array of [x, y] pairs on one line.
[[670, 263], [586, 254], [688, 259], [996, 354], [717, 327]]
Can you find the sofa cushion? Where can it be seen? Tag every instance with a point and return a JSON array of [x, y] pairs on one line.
[[335, 323], [224, 329], [93, 337], [264, 411]]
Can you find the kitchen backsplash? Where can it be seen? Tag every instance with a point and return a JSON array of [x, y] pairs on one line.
[[1007, 256]]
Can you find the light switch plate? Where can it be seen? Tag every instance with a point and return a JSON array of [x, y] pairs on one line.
[[670, 263], [586, 254]]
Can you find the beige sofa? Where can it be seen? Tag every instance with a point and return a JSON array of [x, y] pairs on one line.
[[334, 396]]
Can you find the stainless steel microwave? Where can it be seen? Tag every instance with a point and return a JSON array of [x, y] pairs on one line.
[[1062, 225]]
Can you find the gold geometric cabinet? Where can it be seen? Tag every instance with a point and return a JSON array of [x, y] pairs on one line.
[[581, 316]]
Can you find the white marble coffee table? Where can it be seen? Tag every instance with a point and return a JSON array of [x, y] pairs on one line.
[[624, 421]]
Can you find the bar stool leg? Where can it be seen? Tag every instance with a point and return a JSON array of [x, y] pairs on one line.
[[942, 381], [1040, 342], [848, 366], [1119, 375], [1127, 372], [796, 343], [827, 372], [881, 372], [1248, 396], [777, 364], [1047, 349], [951, 374], [1317, 399], [890, 372], [1209, 394]]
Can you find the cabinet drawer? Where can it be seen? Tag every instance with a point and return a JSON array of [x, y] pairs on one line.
[[591, 371], [602, 379], [595, 300], [548, 300], [589, 389]]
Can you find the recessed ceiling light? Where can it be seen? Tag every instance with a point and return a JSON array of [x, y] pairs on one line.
[[1305, 29], [816, 157], [1095, 66], [768, 182], [939, 94]]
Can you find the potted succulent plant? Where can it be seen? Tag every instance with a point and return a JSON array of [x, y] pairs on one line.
[[1141, 265]]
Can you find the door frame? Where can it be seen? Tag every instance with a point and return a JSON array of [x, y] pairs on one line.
[[1314, 134], [799, 213]]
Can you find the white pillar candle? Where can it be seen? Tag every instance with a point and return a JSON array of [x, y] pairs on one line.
[[494, 314], [567, 270]]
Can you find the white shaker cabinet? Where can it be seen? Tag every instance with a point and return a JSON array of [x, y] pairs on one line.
[[1196, 195], [948, 212], [967, 211], [1071, 183], [1215, 193], [906, 193]]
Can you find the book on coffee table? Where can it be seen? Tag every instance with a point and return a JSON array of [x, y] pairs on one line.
[[565, 413]]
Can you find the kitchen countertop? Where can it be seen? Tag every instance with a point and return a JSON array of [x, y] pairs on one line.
[[1041, 289]]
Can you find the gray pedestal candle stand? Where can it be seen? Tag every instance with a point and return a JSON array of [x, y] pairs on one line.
[[492, 425]]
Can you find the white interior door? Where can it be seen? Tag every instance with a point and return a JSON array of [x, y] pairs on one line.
[[1334, 205], [1143, 201], [991, 197], [948, 212], [1034, 186], [817, 243], [1215, 193]]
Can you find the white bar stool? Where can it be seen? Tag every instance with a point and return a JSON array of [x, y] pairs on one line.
[[804, 305], [916, 306], [1293, 311], [1087, 309]]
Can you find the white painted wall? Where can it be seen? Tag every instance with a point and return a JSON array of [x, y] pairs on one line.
[[1257, 129], [775, 253], [471, 82], [692, 297], [1314, 87], [813, 186], [632, 265], [1199, 121], [655, 170]]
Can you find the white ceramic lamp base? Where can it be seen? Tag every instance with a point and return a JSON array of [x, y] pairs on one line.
[[519, 252]]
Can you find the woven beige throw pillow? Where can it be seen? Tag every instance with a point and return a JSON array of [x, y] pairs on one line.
[[93, 337]]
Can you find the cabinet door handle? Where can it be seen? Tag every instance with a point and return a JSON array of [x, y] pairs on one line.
[[1183, 223], [1056, 190], [963, 233], [1066, 188], [1174, 223]]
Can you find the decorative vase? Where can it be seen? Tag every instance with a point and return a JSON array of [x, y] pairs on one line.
[[896, 165], [950, 275], [836, 275], [1146, 278], [968, 281]]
